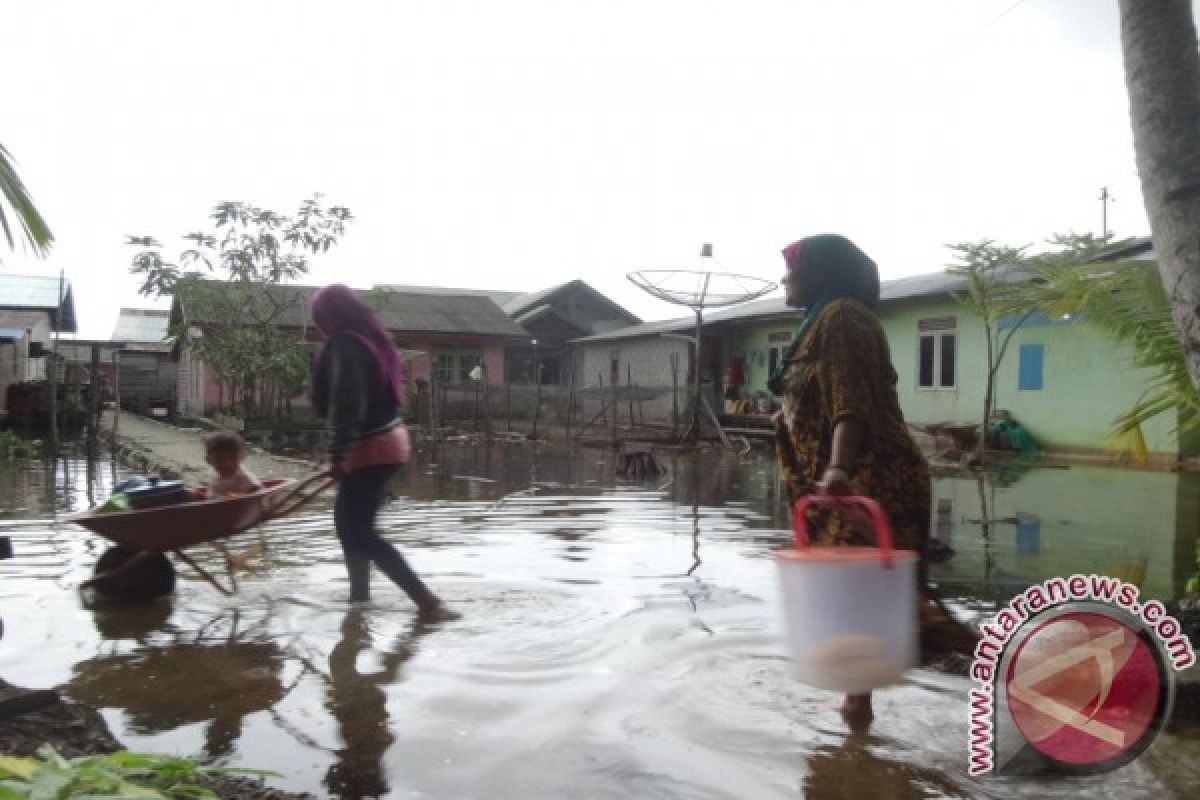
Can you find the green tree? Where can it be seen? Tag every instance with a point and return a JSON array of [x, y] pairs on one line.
[[1162, 74], [993, 273], [18, 202], [231, 287]]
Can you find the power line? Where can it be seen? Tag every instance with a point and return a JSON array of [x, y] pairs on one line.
[[992, 21]]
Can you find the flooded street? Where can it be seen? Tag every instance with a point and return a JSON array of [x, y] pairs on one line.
[[617, 639]]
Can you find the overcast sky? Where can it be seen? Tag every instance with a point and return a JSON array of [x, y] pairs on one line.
[[519, 144]]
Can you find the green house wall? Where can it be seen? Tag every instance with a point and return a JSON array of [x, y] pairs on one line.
[[1088, 380]]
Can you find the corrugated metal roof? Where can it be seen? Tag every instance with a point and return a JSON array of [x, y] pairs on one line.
[[1138, 247], [497, 296], [522, 303], [141, 325], [914, 286], [401, 311], [406, 312], [39, 292]]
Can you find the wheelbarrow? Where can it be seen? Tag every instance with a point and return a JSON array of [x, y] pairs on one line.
[[136, 567]]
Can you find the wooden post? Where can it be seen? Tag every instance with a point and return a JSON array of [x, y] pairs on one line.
[[570, 401], [613, 389], [507, 403], [433, 407], [604, 403], [628, 389], [93, 416], [537, 396], [52, 389], [52, 367], [674, 394], [116, 390], [475, 413], [487, 406]]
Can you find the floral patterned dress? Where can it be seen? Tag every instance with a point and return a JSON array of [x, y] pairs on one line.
[[842, 369]]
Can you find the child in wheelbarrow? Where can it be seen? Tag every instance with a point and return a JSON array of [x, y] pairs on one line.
[[225, 452]]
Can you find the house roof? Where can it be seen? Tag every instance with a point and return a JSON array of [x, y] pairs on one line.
[[407, 311], [912, 287], [497, 296], [403, 312], [525, 302], [1129, 248], [142, 325], [40, 293]]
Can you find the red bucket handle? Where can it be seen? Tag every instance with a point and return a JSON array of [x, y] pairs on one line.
[[883, 528]]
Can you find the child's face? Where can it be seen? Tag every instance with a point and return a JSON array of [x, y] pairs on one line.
[[224, 462]]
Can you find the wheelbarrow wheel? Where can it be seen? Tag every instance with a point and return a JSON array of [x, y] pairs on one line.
[[124, 573]]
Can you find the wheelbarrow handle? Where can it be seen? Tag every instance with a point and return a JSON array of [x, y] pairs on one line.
[[298, 494], [879, 520]]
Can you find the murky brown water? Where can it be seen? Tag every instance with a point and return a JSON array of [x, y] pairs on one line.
[[617, 640]]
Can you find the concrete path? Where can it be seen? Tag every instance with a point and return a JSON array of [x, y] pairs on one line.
[[179, 452]]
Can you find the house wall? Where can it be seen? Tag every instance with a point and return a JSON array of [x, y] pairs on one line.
[[647, 361], [1088, 379], [751, 342], [13, 358], [419, 364]]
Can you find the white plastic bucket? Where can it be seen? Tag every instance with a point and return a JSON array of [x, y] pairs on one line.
[[850, 612]]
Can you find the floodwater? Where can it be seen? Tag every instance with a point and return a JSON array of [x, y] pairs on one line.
[[617, 640]]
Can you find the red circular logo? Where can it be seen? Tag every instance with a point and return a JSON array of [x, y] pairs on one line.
[[1085, 689]]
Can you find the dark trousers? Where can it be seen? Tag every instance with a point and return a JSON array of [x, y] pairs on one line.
[[359, 498]]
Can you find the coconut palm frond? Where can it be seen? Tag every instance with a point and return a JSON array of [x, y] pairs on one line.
[[15, 197]]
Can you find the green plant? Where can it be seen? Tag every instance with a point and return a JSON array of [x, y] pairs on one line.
[[14, 448], [992, 276], [49, 776], [1192, 587], [16, 197], [245, 326]]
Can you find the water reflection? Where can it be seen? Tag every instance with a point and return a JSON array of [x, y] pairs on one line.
[[1139, 526], [216, 675], [852, 770], [357, 701]]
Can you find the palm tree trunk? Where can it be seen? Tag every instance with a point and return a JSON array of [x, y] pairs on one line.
[[1162, 73]]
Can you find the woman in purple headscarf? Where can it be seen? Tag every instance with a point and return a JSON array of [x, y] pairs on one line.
[[358, 386]]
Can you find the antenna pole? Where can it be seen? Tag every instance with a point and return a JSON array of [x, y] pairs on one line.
[[1105, 198]]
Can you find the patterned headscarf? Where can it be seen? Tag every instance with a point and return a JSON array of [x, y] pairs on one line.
[[338, 309], [825, 267]]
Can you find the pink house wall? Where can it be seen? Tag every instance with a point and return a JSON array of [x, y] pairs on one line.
[[418, 367]]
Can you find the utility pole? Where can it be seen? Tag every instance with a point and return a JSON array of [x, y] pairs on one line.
[[1105, 198]]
